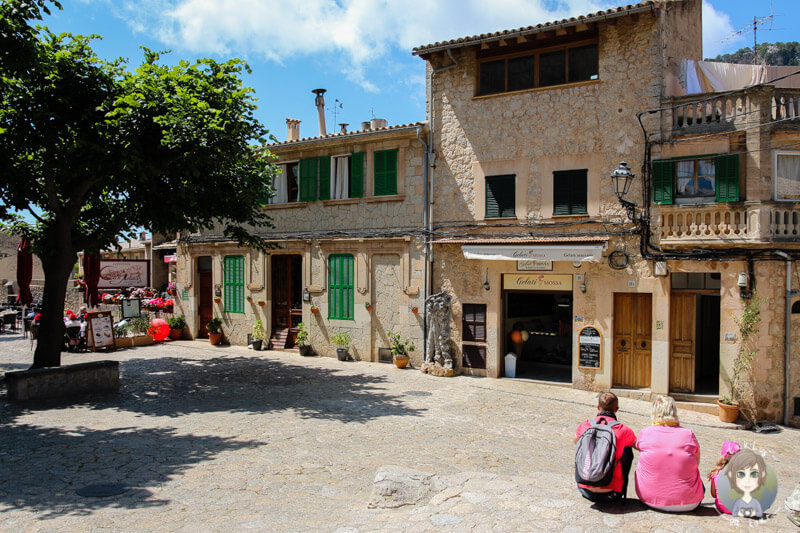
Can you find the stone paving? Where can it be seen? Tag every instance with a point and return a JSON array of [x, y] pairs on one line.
[[227, 439]]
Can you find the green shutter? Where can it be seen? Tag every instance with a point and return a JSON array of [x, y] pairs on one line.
[[500, 196], [325, 178], [727, 177], [341, 274], [233, 281], [308, 179], [663, 182], [569, 192], [357, 175], [385, 172]]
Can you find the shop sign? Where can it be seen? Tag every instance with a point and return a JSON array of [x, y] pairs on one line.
[[553, 252], [123, 273], [537, 282], [534, 265], [589, 342]]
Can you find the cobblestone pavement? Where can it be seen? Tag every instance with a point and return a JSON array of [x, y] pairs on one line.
[[227, 439]]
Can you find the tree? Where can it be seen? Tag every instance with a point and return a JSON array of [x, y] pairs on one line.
[[90, 149], [778, 54]]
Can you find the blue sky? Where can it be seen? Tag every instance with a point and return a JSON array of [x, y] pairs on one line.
[[359, 50]]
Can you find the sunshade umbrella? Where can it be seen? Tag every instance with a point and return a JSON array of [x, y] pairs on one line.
[[24, 272], [91, 274]]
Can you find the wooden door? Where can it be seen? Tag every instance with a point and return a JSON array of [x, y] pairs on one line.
[[205, 299], [682, 326], [632, 340], [287, 309]]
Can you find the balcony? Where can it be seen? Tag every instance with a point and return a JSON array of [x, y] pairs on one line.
[[699, 114], [727, 224]]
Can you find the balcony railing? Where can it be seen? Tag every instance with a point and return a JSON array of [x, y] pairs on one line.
[[738, 223]]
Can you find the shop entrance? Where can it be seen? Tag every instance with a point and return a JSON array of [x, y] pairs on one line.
[[694, 333], [287, 303], [632, 340], [205, 295], [538, 330]]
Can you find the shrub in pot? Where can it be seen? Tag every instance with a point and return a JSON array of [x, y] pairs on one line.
[[259, 336], [302, 340], [342, 340], [214, 327], [748, 323], [176, 326], [401, 350]]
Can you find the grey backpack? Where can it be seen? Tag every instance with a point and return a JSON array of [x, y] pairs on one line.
[[596, 454]]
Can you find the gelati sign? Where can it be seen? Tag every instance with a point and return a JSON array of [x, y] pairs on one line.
[[123, 273], [537, 282]]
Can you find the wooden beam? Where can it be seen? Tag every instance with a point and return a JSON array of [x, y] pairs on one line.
[[545, 35], [522, 39], [502, 42], [560, 32], [581, 27]]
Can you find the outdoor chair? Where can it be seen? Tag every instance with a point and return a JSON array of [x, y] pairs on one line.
[[10, 320]]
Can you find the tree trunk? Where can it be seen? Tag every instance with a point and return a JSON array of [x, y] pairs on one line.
[[57, 266]]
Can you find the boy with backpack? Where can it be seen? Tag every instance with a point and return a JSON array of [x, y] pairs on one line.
[[603, 453]]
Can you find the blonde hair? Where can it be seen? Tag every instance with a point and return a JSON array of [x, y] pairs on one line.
[[664, 411]]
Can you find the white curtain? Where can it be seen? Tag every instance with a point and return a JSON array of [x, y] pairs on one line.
[[788, 176], [281, 194], [340, 181]]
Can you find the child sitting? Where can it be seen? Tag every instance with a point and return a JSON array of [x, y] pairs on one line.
[[729, 448]]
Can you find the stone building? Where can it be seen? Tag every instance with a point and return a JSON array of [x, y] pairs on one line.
[[639, 292], [345, 251]]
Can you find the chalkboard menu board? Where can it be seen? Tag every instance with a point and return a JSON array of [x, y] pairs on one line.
[[589, 342], [100, 330]]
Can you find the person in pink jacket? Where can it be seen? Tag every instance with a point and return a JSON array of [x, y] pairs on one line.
[[667, 477]]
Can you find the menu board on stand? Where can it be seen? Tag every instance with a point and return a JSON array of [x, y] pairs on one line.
[[100, 330]]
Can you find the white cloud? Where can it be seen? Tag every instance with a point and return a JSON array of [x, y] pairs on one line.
[[717, 28], [350, 34]]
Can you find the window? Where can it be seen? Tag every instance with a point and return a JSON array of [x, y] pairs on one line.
[[385, 171], [233, 278], [347, 176], [569, 192], [787, 176], [500, 196], [696, 180], [473, 329], [341, 269], [527, 69], [285, 185]]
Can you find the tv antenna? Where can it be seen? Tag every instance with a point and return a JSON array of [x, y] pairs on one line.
[[757, 21], [337, 105]]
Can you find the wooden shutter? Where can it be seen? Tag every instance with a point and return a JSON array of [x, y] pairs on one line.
[[569, 192], [325, 178], [357, 175], [726, 168], [308, 179], [500, 196], [473, 356], [663, 182], [473, 322], [340, 287], [233, 280], [385, 172]]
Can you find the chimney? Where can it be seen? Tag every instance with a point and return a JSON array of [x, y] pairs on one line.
[[343, 126], [292, 129], [143, 236], [319, 101], [377, 123], [365, 126]]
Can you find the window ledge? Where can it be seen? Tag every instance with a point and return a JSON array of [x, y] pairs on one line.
[[581, 215], [500, 218], [387, 198], [538, 89], [341, 201], [287, 205]]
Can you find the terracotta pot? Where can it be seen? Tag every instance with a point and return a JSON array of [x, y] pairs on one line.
[[400, 361], [728, 412], [215, 338], [176, 334]]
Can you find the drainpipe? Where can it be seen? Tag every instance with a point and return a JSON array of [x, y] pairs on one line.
[[430, 166], [788, 327], [425, 287]]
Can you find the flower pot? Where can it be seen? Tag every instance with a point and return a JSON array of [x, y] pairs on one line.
[[400, 361], [215, 338], [257, 344], [315, 310], [262, 303], [176, 334], [341, 354], [306, 350], [143, 340], [728, 412]]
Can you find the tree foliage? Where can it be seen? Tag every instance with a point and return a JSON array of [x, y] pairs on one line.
[[91, 149], [776, 55]]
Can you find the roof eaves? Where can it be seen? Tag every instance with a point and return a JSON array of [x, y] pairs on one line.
[[348, 135]]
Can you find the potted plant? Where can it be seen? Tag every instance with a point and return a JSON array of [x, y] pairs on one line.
[[176, 326], [140, 327], [302, 340], [214, 327], [748, 323], [401, 350], [368, 305], [342, 340], [314, 309], [121, 336], [258, 335]]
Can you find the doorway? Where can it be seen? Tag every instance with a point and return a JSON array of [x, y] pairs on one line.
[[287, 304], [537, 328], [632, 340], [205, 295]]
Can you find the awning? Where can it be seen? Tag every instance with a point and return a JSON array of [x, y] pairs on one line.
[[550, 252]]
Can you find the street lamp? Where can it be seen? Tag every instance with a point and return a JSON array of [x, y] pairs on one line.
[[621, 178]]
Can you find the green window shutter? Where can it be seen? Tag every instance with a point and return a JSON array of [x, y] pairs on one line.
[[385, 172], [233, 281], [357, 175], [663, 182], [325, 178], [308, 179], [500, 196], [341, 270], [569, 192], [727, 176]]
